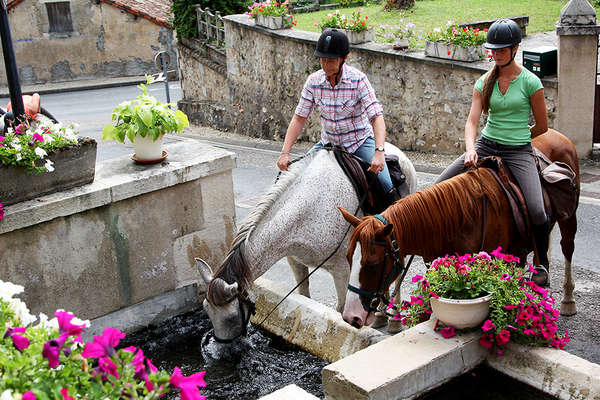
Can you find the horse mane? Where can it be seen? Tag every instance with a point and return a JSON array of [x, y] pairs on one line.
[[235, 268], [424, 218]]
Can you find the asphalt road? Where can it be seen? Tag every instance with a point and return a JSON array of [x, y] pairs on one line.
[[256, 171]]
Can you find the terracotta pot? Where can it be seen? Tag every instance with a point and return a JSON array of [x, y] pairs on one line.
[[461, 314]]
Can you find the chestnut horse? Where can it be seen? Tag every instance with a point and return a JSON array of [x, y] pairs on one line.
[[448, 218]]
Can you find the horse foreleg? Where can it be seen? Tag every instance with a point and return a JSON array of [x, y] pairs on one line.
[[568, 228], [341, 279], [300, 272]]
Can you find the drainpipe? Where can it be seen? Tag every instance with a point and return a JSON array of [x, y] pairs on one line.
[[10, 63]]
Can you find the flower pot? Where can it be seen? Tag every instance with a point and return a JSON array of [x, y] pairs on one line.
[[401, 44], [74, 165], [355, 37], [270, 22], [147, 149], [461, 314], [453, 52]]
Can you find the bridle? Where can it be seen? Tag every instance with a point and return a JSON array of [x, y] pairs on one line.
[[371, 300], [245, 314]]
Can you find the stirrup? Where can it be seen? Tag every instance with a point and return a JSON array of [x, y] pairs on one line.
[[542, 277]]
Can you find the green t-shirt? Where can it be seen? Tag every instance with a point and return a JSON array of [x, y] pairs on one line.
[[508, 117]]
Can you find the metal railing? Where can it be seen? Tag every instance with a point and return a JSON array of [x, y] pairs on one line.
[[210, 26]]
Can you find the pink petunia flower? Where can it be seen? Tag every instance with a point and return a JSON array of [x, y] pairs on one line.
[[107, 367], [20, 342], [486, 340], [188, 385], [416, 278], [503, 337], [65, 394], [52, 348], [498, 253], [1, 211], [448, 332], [65, 326], [488, 325], [37, 137], [29, 396], [103, 345]]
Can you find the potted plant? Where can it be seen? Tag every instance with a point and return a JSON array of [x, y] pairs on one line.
[[356, 27], [271, 15], [456, 43], [39, 157], [144, 121], [49, 360], [400, 36], [517, 309]]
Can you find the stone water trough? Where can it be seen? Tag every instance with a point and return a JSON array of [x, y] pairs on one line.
[[411, 363]]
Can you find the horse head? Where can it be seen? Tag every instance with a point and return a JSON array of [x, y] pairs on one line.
[[373, 266], [228, 309]]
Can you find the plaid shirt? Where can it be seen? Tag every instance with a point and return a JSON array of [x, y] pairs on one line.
[[346, 110]]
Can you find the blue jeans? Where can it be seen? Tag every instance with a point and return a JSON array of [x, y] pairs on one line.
[[366, 152]]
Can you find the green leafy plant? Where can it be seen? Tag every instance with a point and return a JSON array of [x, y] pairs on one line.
[[520, 310], [457, 36], [399, 4], [356, 22], [28, 144], [185, 20], [49, 361], [144, 116]]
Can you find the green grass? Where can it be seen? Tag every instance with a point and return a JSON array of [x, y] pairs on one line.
[[428, 14]]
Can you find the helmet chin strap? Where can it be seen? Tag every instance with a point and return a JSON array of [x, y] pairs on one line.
[[512, 57], [338, 76]]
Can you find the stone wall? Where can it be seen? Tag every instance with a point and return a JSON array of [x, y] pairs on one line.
[[105, 42], [127, 238], [426, 101]]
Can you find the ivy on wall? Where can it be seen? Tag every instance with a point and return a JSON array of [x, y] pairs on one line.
[[184, 13]]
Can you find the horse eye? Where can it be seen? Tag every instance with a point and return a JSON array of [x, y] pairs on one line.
[[374, 303]]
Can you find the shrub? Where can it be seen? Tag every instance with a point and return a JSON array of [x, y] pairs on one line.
[[185, 21]]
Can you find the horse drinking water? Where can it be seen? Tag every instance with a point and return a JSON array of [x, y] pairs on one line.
[[449, 218], [297, 218]]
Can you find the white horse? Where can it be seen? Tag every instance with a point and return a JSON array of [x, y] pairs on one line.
[[297, 218]]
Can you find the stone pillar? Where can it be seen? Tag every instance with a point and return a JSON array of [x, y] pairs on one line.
[[577, 62]]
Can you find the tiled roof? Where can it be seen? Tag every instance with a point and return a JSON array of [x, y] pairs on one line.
[[156, 11]]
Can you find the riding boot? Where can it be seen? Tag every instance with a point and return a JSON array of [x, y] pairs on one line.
[[391, 197], [541, 235]]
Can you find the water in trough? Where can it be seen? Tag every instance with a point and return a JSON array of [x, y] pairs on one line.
[[267, 363]]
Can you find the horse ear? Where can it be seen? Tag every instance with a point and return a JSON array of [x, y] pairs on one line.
[[353, 220], [204, 269], [387, 230]]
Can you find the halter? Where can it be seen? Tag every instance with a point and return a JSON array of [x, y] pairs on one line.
[[245, 317], [391, 248]]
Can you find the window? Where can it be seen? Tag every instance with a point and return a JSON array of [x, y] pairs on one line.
[[59, 17]]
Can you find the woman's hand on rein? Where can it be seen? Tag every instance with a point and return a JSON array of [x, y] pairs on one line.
[[470, 158], [283, 161], [377, 163]]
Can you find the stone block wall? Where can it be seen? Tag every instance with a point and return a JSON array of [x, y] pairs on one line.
[[426, 101], [128, 237]]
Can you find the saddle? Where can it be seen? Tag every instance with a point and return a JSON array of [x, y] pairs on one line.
[[365, 183], [558, 189]]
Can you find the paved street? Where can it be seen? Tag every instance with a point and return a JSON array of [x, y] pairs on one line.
[[256, 171]]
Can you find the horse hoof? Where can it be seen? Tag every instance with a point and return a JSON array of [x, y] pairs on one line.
[[568, 308], [380, 320], [541, 277], [394, 326]]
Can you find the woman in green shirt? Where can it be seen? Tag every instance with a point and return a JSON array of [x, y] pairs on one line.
[[508, 93]]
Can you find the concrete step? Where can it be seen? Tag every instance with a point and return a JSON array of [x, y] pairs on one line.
[[290, 392]]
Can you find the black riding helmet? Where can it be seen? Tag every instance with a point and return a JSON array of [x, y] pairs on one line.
[[503, 33], [332, 44]]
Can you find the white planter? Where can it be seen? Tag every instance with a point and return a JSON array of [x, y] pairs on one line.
[[452, 52], [359, 37], [461, 314], [147, 149], [270, 22], [401, 44]]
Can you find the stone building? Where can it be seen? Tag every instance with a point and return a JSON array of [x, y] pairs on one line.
[[64, 40]]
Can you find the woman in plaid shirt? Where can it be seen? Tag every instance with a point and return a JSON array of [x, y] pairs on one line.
[[351, 115]]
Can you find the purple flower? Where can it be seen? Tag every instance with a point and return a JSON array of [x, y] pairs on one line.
[[1, 211], [106, 366], [448, 332], [65, 394], [37, 137], [488, 325], [143, 366], [103, 345], [52, 348], [20, 342], [416, 278], [188, 385], [29, 396], [1, 140]]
